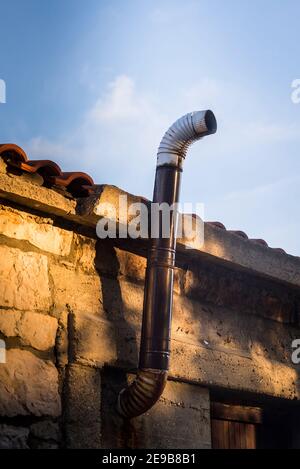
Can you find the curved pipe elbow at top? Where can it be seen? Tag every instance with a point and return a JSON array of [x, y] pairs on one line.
[[151, 378], [185, 131]]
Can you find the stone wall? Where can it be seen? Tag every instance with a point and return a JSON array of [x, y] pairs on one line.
[[70, 317]]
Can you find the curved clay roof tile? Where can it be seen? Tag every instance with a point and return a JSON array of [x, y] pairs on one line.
[[218, 224], [262, 242], [239, 233], [13, 151], [65, 179], [44, 167]]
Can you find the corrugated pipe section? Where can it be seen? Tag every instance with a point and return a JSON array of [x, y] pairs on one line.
[[152, 373]]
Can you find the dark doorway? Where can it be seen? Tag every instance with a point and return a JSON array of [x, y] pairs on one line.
[[245, 427], [235, 427]]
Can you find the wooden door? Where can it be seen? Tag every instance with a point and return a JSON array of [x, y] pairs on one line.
[[234, 427], [233, 435]]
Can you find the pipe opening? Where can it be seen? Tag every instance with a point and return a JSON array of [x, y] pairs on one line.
[[210, 122]]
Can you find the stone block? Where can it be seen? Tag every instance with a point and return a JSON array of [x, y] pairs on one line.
[[85, 252], [75, 290], [28, 386], [24, 280], [13, 437], [46, 430], [37, 231], [94, 340], [83, 413], [131, 265], [34, 329]]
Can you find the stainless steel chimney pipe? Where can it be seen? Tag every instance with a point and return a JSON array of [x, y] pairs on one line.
[[152, 373]]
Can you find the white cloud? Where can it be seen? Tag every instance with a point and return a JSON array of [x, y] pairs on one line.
[[117, 139], [120, 102], [119, 133], [41, 148]]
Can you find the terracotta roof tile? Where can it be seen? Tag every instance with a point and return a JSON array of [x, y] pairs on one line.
[[243, 235], [76, 183], [262, 242], [239, 233], [13, 151], [80, 184], [218, 224]]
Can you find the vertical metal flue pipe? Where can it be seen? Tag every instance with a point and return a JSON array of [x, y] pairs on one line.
[[151, 377]]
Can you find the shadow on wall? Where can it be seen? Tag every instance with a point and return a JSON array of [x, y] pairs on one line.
[[116, 432], [108, 266], [182, 406], [221, 336], [234, 330]]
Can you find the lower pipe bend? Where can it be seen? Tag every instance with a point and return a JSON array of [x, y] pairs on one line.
[[142, 393]]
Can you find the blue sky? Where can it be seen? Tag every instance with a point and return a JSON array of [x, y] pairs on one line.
[[94, 84]]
